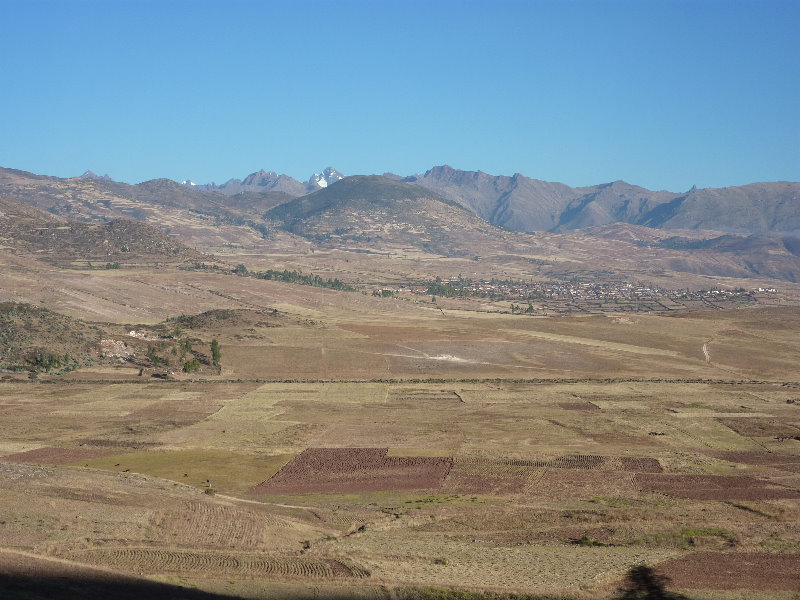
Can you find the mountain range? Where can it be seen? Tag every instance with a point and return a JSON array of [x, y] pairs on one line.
[[523, 204], [520, 203], [516, 202], [731, 232], [264, 181]]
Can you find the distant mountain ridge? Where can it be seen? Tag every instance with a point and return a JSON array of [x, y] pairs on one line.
[[262, 181], [87, 174], [516, 202], [523, 204], [614, 225]]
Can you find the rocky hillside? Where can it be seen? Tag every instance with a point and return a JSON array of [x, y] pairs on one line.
[[97, 199], [24, 229], [37, 339], [525, 204], [376, 210], [729, 255], [270, 181]]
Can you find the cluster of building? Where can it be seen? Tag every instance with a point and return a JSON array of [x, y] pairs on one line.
[[576, 295]]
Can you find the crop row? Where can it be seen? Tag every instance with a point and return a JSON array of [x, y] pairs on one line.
[[155, 560]]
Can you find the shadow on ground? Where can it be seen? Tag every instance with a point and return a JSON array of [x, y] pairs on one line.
[[44, 587]]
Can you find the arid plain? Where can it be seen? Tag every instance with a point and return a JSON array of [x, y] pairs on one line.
[[386, 445], [366, 446]]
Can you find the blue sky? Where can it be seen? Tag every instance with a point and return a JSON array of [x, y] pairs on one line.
[[663, 94]]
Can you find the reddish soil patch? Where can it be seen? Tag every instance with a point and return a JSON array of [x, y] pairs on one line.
[[638, 464], [56, 456], [713, 487], [578, 406], [569, 461], [355, 469], [734, 571], [760, 426], [783, 462]]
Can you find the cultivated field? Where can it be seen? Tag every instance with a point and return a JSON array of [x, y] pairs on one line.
[[374, 486], [349, 445]]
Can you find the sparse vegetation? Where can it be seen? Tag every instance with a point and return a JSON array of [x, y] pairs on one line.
[[191, 366], [216, 354], [454, 448]]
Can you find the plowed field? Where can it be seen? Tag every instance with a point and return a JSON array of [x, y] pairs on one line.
[[355, 469], [734, 571], [714, 487], [57, 456], [156, 560]]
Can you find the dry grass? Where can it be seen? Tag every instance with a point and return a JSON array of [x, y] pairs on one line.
[[652, 469]]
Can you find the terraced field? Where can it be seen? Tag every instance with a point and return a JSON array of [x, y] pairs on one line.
[[378, 487], [355, 469], [212, 564]]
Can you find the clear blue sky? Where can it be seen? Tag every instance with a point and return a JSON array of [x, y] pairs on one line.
[[663, 94]]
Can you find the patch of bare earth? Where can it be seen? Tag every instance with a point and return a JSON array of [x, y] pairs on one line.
[[57, 456], [579, 406], [784, 462], [734, 571], [321, 470], [760, 427], [639, 464], [713, 487]]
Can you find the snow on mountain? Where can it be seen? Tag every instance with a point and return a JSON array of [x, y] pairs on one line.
[[327, 177]]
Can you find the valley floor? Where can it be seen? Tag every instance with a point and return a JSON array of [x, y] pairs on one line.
[[355, 446], [255, 489]]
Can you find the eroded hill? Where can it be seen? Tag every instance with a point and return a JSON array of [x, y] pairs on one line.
[[63, 242]]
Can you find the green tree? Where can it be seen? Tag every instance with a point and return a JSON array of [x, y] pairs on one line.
[[191, 366], [215, 353]]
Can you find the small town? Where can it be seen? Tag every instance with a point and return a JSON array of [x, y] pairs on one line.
[[582, 295]]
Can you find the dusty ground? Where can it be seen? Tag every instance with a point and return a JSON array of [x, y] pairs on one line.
[[468, 475], [356, 445]]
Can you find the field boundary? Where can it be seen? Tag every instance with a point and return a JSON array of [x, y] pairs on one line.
[[394, 381]]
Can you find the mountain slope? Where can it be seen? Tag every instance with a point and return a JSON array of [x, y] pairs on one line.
[[728, 255], [374, 209], [523, 204], [198, 216], [57, 240], [616, 202], [754, 208], [517, 203], [262, 181]]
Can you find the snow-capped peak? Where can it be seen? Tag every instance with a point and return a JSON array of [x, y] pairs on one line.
[[327, 177]]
